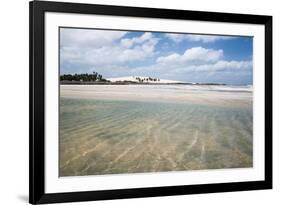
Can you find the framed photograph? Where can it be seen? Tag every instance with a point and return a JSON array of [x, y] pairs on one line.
[[130, 102]]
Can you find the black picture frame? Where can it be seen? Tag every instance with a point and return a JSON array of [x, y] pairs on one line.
[[37, 9]]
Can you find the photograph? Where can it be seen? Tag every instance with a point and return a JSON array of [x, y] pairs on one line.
[[133, 102], [152, 101]]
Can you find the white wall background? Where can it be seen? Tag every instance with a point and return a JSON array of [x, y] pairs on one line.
[[14, 100]]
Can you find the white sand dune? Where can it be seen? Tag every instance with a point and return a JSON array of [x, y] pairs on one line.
[[145, 79]]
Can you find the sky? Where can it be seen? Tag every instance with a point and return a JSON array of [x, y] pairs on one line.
[[193, 58]]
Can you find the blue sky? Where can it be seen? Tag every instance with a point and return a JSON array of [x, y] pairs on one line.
[[183, 57]]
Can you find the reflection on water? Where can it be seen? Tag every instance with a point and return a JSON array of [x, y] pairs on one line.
[[111, 137]]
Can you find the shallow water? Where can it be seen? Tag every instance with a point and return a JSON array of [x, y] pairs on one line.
[[110, 137]]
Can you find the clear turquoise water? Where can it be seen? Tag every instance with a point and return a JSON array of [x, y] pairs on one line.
[[111, 137]]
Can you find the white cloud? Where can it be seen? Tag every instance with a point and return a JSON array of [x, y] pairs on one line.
[[196, 38], [196, 60], [101, 48], [146, 37], [192, 56], [226, 66], [88, 37]]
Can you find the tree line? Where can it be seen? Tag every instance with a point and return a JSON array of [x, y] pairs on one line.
[[85, 77], [147, 79]]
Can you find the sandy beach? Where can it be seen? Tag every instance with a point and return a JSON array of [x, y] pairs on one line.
[[199, 94]]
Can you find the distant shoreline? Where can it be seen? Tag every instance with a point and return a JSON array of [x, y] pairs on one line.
[[130, 83]]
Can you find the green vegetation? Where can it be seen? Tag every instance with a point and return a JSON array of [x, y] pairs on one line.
[[148, 79], [83, 77]]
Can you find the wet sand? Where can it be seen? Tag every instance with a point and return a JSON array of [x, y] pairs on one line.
[[107, 129], [197, 94]]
